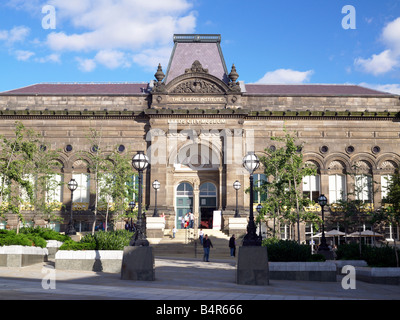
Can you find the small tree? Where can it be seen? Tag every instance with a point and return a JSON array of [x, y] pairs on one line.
[[286, 167], [390, 214]]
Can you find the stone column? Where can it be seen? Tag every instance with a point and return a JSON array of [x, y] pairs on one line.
[[196, 201]]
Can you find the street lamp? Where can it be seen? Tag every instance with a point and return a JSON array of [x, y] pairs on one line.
[[237, 186], [72, 186], [322, 201], [132, 205], [156, 186], [140, 162], [259, 208], [251, 164]]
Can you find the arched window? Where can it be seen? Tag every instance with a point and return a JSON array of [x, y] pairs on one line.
[[208, 189], [184, 189]]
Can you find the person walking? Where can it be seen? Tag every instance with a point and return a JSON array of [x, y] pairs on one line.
[[201, 236], [206, 246], [173, 233], [232, 245]]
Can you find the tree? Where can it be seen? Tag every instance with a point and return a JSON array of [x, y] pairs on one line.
[[390, 214], [286, 167], [24, 165]]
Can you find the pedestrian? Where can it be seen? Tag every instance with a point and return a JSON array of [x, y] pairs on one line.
[[232, 245], [173, 233], [191, 219], [201, 236], [186, 220], [206, 246]]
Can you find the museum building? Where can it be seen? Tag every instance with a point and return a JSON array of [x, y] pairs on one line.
[[196, 122]]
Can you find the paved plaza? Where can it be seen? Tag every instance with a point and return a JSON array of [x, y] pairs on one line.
[[176, 279]]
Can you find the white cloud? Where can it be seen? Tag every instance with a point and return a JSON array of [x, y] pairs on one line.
[[23, 55], [54, 57], [150, 58], [286, 76], [112, 59], [86, 65], [389, 59], [16, 34], [378, 64], [391, 88], [120, 24]]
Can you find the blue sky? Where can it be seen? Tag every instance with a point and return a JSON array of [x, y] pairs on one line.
[[286, 41]]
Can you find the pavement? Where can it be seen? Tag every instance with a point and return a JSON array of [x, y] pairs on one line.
[[179, 279]]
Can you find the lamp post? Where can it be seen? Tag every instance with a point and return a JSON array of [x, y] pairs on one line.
[[132, 205], [140, 162], [322, 201], [72, 186], [156, 186], [237, 186], [259, 208], [251, 164]]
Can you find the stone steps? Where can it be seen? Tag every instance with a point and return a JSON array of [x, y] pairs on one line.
[[184, 245]]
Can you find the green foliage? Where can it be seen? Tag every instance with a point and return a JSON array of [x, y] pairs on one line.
[[112, 240], [11, 238], [374, 256], [75, 246], [288, 251], [45, 233]]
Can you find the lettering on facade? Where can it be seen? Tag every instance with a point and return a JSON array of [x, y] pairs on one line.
[[196, 121], [198, 99]]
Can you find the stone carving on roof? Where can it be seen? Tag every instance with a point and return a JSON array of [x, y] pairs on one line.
[[196, 68], [197, 86]]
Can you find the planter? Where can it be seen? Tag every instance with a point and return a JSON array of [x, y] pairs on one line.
[[52, 247], [355, 263], [19, 256], [91, 260], [378, 275], [303, 271]]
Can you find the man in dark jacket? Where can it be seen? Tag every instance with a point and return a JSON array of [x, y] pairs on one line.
[[232, 245], [206, 246]]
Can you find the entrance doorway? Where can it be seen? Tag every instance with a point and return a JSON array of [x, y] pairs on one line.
[[208, 204], [184, 203]]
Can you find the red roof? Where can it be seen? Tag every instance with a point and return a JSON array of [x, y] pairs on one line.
[[81, 89], [312, 90]]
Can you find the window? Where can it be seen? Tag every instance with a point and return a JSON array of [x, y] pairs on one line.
[[385, 181], [24, 195], [259, 195], [285, 231], [55, 186], [311, 187], [5, 188], [363, 187], [208, 189], [184, 189], [82, 193], [337, 188]]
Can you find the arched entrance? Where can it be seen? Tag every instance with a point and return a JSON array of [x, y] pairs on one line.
[[208, 204], [184, 202]]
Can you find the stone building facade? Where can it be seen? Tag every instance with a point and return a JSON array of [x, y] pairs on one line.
[[196, 122]]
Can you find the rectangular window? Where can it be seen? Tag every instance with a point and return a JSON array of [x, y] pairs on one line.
[[363, 187], [311, 187], [337, 188], [55, 186], [24, 195], [82, 193], [385, 181], [258, 194]]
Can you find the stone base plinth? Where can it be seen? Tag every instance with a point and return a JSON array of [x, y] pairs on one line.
[[138, 264], [237, 226], [252, 266], [155, 227]]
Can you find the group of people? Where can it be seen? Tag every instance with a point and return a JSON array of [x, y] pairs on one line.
[[187, 221], [130, 227], [207, 244]]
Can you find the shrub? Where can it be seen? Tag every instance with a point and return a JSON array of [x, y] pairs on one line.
[[287, 251], [10, 238], [101, 240], [45, 233], [73, 245], [374, 256]]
